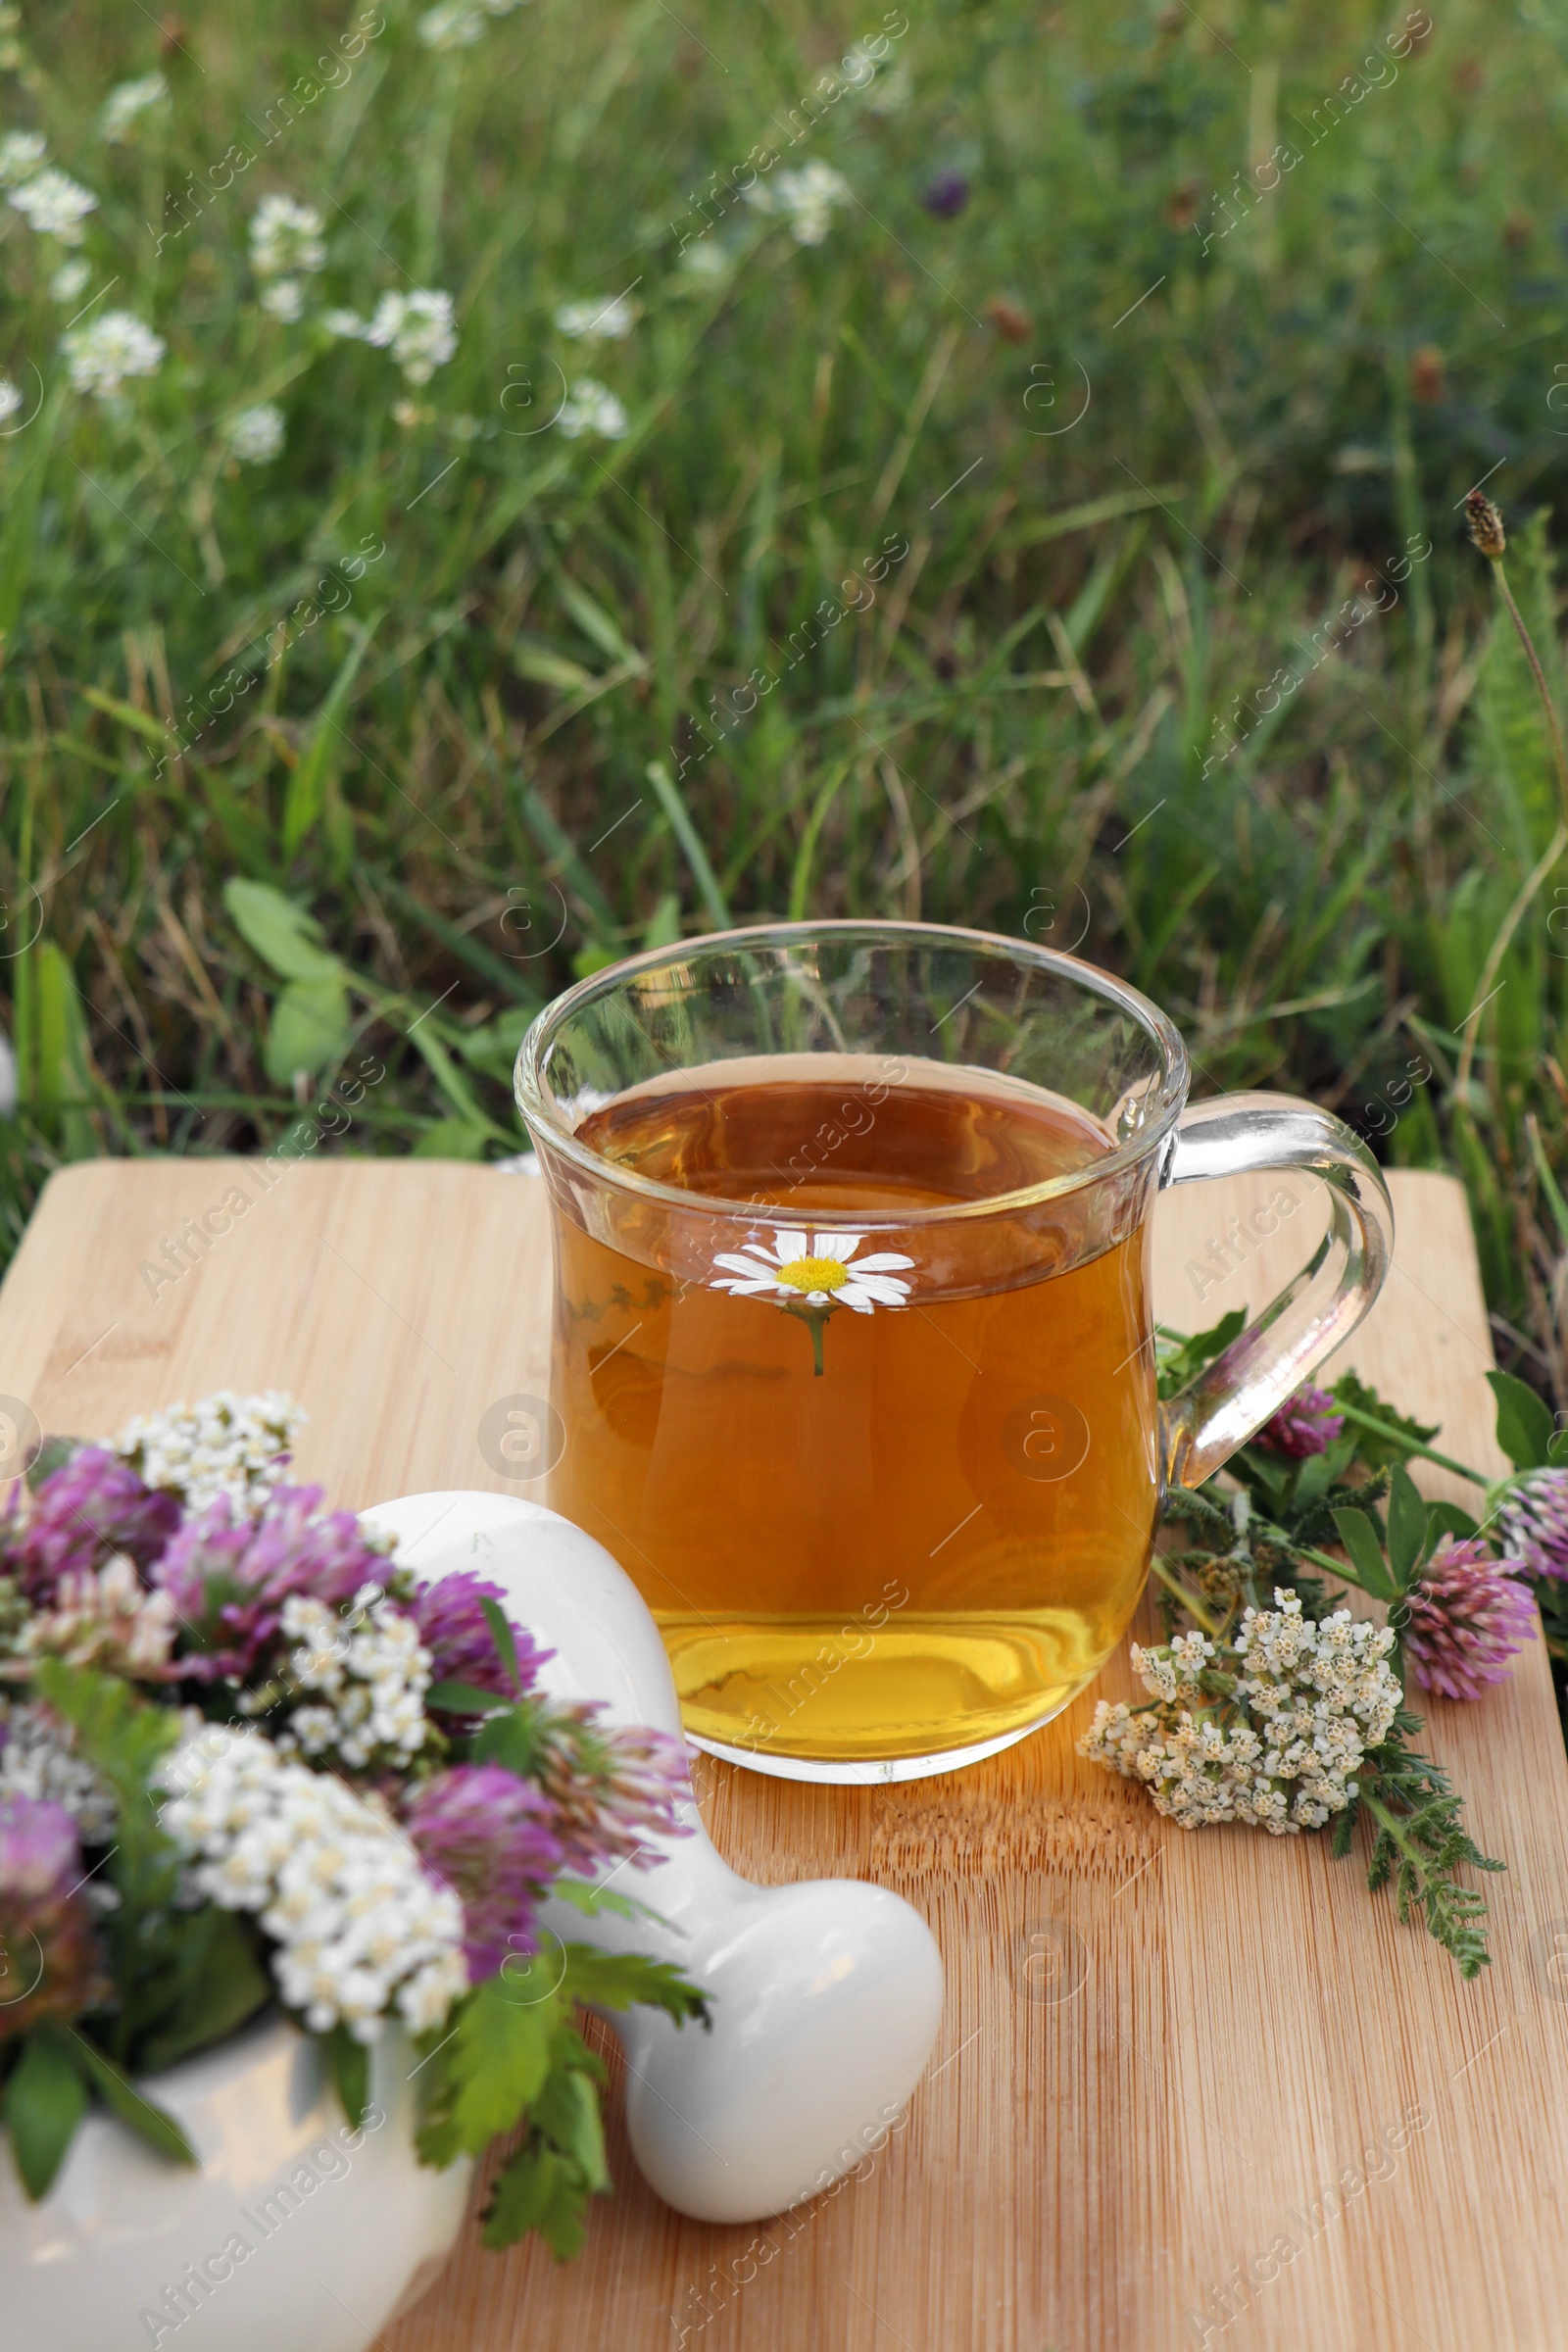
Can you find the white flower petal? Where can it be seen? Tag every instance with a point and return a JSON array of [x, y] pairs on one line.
[[850, 1295], [788, 1246], [736, 1264], [880, 1263], [840, 1245], [881, 1287], [761, 1289]]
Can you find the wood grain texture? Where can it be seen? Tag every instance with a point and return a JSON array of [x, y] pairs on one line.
[[1160, 2049]]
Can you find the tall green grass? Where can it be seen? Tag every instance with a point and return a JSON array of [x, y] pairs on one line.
[[517, 746]]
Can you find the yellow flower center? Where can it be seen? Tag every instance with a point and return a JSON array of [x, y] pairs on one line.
[[814, 1274]]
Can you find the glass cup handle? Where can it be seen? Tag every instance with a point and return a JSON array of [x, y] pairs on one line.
[[1232, 1398]]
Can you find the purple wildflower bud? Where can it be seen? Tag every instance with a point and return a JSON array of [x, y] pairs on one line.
[[1533, 1522], [1306, 1422], [612, 1789], [91, 1507], [488, 1836], [946, 195], [1466, 1615], [50, 1965], [455, 1630], [228, 1575]]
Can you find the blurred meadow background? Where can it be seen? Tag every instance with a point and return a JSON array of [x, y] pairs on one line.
[[489, 487]]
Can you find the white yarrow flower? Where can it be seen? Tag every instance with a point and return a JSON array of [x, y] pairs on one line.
[[815, 1270], [38, 1759], [361, 1926], [807, 198], [708, 261], [101, 355], [458, 23], [371, 1672], [256, 435], [20, 154], [225, 1445], [125, 106], [286, 238], [599, 321], [589, 408], [69, 280], [54, 205], [346, 324], [417, 329], [10, 399], [285, 299]]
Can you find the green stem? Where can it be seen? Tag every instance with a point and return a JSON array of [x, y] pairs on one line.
[[816, 1345], [1386, 1428], [1190, 1603], [1542, 688]]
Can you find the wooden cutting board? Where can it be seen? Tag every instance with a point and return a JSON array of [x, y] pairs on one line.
[[1164, 2054]]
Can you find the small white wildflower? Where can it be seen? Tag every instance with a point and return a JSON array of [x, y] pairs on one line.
[[10, 399], [465, 428], [20, 154], [102, 354], [601, 322], [808, 197], [372, 1668], [708, 261], [286, 238], [54, 205], [37, 1759], [256, 435], [892, 89], [417, 329], [590, 408], [125, 106], [454, 24], [225, 1445], [285, 299], [346, 324], [69, 280], [361, 1927]]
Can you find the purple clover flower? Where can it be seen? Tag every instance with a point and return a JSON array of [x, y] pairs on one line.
[[947, 195], [1533, 1522], [228, 1575], [53, 1967], [1305, 1424], [91, 1507], [610, 1788], [456, 1632], [488, 1836], [1466, 1616]]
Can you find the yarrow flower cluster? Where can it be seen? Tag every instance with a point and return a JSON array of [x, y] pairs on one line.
[[287, 245], [601, 321], [808, 199], [255, 435], [239, 1446], [125, 104], [1273, 1731], [359, 1923], [371, 1671], [10, 399], [38, 1759], [103, 353], [20, 154], [54, 205]]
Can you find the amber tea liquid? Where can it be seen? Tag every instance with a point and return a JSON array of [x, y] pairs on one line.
[[936, 1538]]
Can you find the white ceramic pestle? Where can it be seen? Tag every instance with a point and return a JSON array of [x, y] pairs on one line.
[[826, 1995]]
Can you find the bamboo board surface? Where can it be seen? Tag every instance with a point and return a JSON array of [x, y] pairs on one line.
[[1160, 2049]]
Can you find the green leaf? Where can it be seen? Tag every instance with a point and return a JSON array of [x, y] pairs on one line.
[[626, 1979], [499, 2059], [312, 1029], [348, 2061], [1447, 1519], [496, 1618], [1372, 1448], [46, 2099], [1525, 1426], [284, 934], [216, 1982], [1181, 1359], [538, 2189], [318, 762], [567, 2111], [452, 1139], [1359, 1538], [1407, 1526], [124, 2099], [462, 1698], [591, 1900]]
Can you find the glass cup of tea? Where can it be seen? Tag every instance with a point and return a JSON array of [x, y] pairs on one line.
[[854, 1341]]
